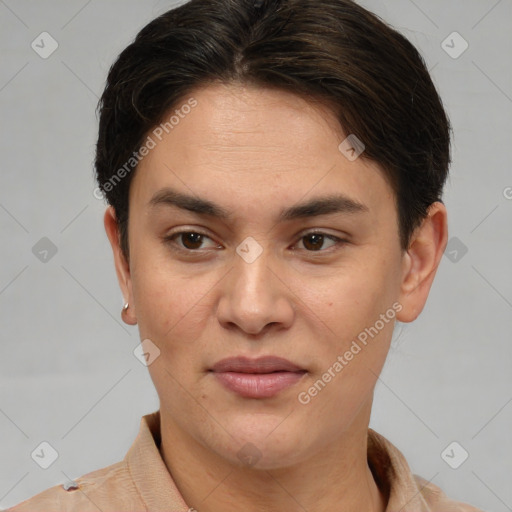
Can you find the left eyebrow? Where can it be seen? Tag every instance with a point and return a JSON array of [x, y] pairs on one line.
[[315, 207], [323, 206]]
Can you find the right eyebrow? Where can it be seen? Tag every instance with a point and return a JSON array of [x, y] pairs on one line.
[[170, 197]]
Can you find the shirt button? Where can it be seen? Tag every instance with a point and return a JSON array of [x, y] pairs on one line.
[[70, 486]]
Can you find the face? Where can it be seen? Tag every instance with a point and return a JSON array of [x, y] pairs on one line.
[[243, 268]]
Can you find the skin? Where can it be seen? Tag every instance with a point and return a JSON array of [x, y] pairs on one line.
[[255, 151]]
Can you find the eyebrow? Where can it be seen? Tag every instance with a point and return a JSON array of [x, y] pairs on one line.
[[335, 203]]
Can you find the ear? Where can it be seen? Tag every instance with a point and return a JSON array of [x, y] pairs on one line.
[[421, 261], [122, 266]]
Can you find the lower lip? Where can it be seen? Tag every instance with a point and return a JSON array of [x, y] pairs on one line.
[[258, 385]]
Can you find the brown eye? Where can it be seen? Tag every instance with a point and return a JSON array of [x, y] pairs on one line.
[[313, 242], [191, 240]]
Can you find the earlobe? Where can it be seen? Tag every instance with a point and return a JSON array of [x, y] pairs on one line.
[[121, 265], [421, 262]]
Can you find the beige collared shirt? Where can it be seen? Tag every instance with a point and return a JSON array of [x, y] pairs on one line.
[[141, 482]]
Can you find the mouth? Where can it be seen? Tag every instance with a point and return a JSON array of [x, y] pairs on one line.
[[263, 377]]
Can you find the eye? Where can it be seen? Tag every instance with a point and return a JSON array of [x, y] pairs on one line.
[[191, 240], [315, 240]]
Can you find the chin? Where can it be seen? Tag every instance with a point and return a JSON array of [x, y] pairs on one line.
[[263, 455], [263, 441]]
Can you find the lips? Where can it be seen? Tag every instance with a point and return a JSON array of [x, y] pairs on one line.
[[268, 364], [263, 377]]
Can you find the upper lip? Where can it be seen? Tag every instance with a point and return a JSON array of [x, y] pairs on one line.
[[265, 364]]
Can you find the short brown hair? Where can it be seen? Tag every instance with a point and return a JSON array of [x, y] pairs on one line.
[[334, 51]]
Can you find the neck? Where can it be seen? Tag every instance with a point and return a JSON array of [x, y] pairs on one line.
[[335, 478]]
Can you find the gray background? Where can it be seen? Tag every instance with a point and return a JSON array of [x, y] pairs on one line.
[[67, 370]]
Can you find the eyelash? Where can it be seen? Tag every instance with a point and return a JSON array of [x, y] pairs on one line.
[[169, 240]]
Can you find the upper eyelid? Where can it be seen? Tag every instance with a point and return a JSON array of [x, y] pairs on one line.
[[299, 236], [306, 231]]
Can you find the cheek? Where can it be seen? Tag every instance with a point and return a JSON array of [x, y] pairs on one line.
[[350, 299], [354, 310], [172, 307]]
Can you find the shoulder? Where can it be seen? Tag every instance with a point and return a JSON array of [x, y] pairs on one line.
[[438, 501], [107, 489]]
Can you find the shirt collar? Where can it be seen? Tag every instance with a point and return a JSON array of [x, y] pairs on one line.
[[159, 492], [148, 470], [393, 476]]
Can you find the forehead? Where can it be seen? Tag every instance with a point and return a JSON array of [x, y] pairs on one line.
[[245, 147]]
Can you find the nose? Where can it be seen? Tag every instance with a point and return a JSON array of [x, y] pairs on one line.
[[255, 297]]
